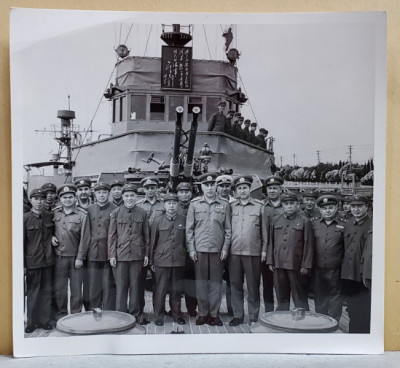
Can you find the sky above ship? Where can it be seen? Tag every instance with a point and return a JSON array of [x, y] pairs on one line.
[[310, 82]]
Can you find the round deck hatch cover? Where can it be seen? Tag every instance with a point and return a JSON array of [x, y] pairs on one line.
[[88, 323], [310, 322]]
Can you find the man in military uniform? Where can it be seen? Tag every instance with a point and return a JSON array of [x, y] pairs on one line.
[[72, 235], [236, 130], [260, 138], [246, 130], [252, 133], [101, 279], [346, 213], [355, 240], [38, 261], [290, 254], [248, 250], [128, 251], [51, 197], [228, 122], [184, 192], [217, 121], [168, 258], [273, 208], [309, 199], [328, 257], [208, 236], [116, 192]]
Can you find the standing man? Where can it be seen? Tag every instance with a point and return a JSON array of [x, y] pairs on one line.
[[208, 236], [72, 236], [355, 241], [246, 130], [236, 130], [51, 197], [248, 250], [185, 192], [128, 251], [290, 254], [273, 208], [328, 257], [38, 261], [116, 192], [228, 122], [252, 133], [346, 213], [309, 199], [101, 279], [168, 258], [260, 138], [217, 121]]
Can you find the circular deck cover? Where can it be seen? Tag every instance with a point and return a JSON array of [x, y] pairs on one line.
[[312, 322], [87, 323]]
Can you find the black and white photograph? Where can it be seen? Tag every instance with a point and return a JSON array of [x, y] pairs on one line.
[[197, 183]]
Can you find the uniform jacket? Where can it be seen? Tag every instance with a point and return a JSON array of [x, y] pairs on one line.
[[208, 226], [236, 131], [99, 218], [216, 122], [118, 203], [249, 228], [260, 141], [72, 231], [183, 209], [252, 137], [153, 210], [246, 134], [366, 261], [272, 211], [38, 231], [291, 243], [312, 215], [355, 236], [329, 243], [168, 242], [128, 234]]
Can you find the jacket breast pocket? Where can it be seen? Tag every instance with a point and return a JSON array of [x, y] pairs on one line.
[[235, 217], [200, 214], [74, 224], [255, 218]]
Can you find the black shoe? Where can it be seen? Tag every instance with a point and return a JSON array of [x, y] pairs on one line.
[[192, 313], [179, 321], [201, 320], [236, 322], [30, 328], [46, 326], [217, 321], [142, 320], [159, 322]]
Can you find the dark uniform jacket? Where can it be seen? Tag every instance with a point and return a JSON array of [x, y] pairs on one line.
[[128, 234], [355, 236], [183, 209], [246, 134], [72, 231], [329, 246], [366, 261], [273, 211], [38, 231], [153, 210], [249, 228], [99, 218], [217, 122], [252, 137], [168, 243], [260, 141], [236, 131], [208, 226], [291, 244]]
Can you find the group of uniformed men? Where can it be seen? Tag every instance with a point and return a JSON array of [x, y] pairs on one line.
[[231, 124], [106, 249]]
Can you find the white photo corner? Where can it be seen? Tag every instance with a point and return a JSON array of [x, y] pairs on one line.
[[212, 186]]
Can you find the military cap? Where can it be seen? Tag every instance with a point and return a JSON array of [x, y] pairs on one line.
[[241, 118], [207, 178], [245, 179], [37, 193], [101, 186], [148, 181], [289, 196], [264, 131], [238, 114], [116, 182], [247, 121], [326, 200], [224, 179], [347, 198], [221, 103], [273, 180], [309, 194], [171, 197], [184, 186], [359, 199], [254, 124], [82, 183], [49, 187], [65, 189], [129, 188], [231, 112]]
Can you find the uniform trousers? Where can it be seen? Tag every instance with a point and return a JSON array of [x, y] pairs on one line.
[[167, 279], [146, 283], [65, 270], [327, 291], [189, 286], [101, 285], [358, 306], [127, 277], [249, 266], [268, 287], [208, 269], [86, 287], [38, 295], [288, 282]]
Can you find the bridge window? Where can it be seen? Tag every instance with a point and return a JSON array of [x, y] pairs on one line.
[[157, 108], [195, 101], [138, 107], [122, 110], [116, 110], [174, 102], [212, 106]]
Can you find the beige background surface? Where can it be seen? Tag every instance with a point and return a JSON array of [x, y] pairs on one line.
[[392, 7]]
